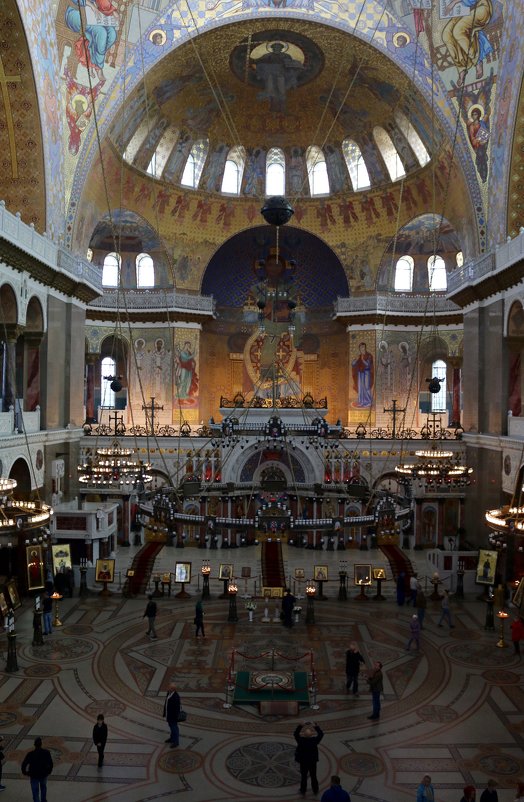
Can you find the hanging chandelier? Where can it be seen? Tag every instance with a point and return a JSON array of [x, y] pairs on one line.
[[509, 519], [19, 515], [436, 467], [115, 468]]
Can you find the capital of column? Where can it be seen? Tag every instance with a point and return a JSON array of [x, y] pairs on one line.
[[13, 331], [92, 358]]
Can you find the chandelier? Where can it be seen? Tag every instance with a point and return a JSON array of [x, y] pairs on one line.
[[509, 519], [435, 466], [115, 468], [19, 515]]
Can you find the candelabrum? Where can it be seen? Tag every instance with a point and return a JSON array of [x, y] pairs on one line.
[[232, 593], [310, 608], [56, 598], [502, 615], [206, 571]]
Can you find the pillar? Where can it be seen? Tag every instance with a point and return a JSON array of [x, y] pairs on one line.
[[31, 378], [91, 362], [455, 363]]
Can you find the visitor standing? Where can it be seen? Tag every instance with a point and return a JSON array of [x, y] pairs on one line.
[[38, 765], [47, 609], [489, 794], [426, 791], [2, 761], [519, 796], [517, 633], [446, 612], [308, 736], [414, 632], [421, 605], [469, 794], [171, 714], [100, 738], [353, 661], [376, 686], [199, 619], [335, 793], [288, 603], [150, 614], [413, 587]]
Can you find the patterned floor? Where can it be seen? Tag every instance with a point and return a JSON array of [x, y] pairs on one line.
[[454, 710]]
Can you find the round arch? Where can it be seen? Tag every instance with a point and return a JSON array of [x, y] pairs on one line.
[[34, 316], [21, 472], [9, 305]]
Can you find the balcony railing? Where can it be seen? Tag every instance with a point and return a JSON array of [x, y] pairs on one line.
[[27, 239], [154, 299], [397, 303]]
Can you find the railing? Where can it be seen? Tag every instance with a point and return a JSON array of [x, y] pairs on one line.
[[398, 303], [473, 272], [14, 230], [157, 298]]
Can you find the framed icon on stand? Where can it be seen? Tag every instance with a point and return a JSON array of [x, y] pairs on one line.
[[105, 570], [362, 575], [225, 571], [183, 572], [35, 567], [486, 567], [320, 573], [379, 573]]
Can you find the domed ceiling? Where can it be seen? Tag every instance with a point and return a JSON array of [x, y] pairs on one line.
[[290, 86]]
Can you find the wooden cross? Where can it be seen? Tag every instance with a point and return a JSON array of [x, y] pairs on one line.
[[151, 408], [394, 411], [4, 80]]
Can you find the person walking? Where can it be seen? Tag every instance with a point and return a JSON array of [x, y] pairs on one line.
[[517, 633], [288, 603], [100, 738], [47, 609], [414, 629], [38, 765], [199, 619], [308, 736], [171, 714], [353, 661], [489, 794], [421, 604], [413, 587], [2, 761], [425, 791], [376, 686], [335, 793], [150, 614], [446, 612]]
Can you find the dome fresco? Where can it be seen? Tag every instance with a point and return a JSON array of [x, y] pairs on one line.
[[261, 88]]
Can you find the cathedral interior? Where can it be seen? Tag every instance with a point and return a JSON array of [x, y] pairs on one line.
[[261, 299]]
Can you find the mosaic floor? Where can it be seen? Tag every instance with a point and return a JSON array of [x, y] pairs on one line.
[[454, 710]]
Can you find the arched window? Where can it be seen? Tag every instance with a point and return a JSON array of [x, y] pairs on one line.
[[358, 172], [438, 400], [145, 271], [107, 396], [195, 164], [151, 167], [404, 274], [317, 171], [111, 270], [415, 142], [234, 170], [389, 153], [437, 278], [275, 172], [459, 258]]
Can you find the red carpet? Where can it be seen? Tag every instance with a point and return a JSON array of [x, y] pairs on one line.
[[272, 565], [142, 565], [398, 561]]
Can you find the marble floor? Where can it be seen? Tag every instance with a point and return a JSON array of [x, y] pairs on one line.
[[454, 710]]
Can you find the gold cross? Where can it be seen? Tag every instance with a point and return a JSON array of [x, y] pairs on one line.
[[4, 80]]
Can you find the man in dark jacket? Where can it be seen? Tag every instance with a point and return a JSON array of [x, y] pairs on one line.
[[38, 765], [288, 603], [335, 793], [376, 686], [308, 737], [171, 714], [150, 614], [353, 661], [100, 738]]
